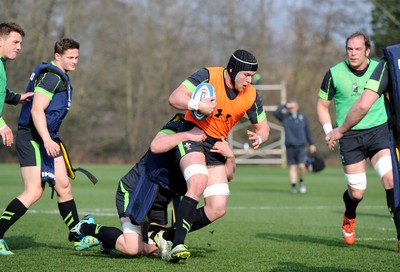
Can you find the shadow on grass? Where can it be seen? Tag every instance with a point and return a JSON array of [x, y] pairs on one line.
[[298, 267], [23, 242], [315, 240], [198, 252]]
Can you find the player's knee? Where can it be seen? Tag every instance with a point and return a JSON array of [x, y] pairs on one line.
[[357, 195], [216, 196], [387, 181], [215, 212], [219, 212], [28, 198], [217, 189], [383, 166], [357, 181]]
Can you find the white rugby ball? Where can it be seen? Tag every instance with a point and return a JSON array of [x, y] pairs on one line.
[[202, 91]]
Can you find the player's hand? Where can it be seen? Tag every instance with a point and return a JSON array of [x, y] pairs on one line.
[[207, 105], [254, 139], [7, 136], [26, 97], [313, 149], [332, 137], [222, 147], [196, 134], [52, 148]]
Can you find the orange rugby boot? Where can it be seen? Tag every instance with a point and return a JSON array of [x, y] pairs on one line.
[[348, 230]]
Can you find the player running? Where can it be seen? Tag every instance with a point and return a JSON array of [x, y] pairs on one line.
[[203, 170]]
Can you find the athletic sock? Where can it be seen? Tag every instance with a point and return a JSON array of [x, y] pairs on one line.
[[69, 213], [184, 220], [169, 234], [395, 213], [350, 205], [107, 235], [200, 220], [14, 211]]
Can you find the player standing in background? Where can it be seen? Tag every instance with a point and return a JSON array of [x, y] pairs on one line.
[[297, 135]]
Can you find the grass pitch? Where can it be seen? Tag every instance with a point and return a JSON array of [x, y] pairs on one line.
[[266, 228]]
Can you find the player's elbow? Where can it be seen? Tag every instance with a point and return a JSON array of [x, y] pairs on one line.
[[155, 147], [173, 100]]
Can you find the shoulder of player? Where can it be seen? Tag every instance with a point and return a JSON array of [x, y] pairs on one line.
[[50, 76], [50, 81]]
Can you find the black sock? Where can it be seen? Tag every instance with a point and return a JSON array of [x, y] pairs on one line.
[[69, 213], [107, 235], [350, 205], [14, 211], [169, 234], [200, 220], [395, 213], [184, 220]]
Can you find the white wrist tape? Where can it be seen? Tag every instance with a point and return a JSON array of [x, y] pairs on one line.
[[193, 104], [3, 127], [259, 140], [327, 128]]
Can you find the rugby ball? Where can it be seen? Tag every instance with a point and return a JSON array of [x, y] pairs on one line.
[[202, 91]]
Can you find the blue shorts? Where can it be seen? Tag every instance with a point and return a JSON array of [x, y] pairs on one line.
[[358, 145], [295, 155]]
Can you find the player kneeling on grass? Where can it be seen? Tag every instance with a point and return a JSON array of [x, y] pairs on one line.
[[150, 216]]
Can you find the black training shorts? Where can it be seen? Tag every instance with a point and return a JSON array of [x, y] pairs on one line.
[[357, 145]]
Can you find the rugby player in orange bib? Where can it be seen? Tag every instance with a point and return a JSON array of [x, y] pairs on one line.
[[203, 168]]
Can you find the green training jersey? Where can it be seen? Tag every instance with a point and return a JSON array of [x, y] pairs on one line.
[[345, 87]]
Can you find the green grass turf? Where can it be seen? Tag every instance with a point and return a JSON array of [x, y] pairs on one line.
[[266, 228]]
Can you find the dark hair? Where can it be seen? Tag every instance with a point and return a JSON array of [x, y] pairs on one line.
[[7, 28], [367, 41], [64, 44]]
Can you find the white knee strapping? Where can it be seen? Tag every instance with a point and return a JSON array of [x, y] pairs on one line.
[[128, 227], [193, 170], [216, 189], [357, 181], [383, 165]]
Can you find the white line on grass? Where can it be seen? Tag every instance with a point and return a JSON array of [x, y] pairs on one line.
[[113, 211]]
